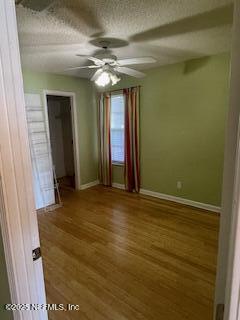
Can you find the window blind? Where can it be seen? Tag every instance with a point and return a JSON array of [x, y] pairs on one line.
[[117, 128]]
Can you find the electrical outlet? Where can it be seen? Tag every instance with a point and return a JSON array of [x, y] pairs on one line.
[[179, 185]]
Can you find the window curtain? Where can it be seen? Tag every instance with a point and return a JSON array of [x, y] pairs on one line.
[[132, 162], [105, 161]]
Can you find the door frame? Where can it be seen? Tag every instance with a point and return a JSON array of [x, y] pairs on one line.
[[232, 293], [17, 206], [227, 290], [75, 128]]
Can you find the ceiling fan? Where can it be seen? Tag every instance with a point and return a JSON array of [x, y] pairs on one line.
[[109, 67]]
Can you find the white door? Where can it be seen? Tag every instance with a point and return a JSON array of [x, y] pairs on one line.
[[40, 151], [17, 215]]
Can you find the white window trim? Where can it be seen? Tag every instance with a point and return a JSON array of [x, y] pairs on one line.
[[114, 162], [118, 163]]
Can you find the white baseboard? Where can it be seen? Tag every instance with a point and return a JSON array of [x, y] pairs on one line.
[[89, 185], [163, 196], [118, 186], [192, 203]]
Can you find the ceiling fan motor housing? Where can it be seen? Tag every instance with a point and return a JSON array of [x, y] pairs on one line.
[[107, 58]]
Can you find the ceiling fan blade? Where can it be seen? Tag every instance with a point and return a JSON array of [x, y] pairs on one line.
[[82, 55], [130, 72], [125, 62], [83, 67], [96, 74], [97, 61], [36, 5], [220, 16], [78, 15]]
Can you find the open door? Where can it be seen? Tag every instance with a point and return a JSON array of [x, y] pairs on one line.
[[18, 215], [43, 179]]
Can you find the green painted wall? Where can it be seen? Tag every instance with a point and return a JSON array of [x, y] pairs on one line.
[[182, 126], [86, 113], [4, 288]]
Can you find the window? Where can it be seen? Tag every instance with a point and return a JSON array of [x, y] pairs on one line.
[[117, 128]]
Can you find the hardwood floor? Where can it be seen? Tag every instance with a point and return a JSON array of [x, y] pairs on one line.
[[123, 256]]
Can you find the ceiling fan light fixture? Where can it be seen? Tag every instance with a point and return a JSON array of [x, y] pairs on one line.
[[114, 78], [107, 77], [103, 80]]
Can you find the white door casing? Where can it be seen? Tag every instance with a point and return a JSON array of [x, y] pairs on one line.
[[18, 215], [232, 290]]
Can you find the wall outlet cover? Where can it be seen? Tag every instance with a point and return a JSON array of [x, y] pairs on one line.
[[179, 185]]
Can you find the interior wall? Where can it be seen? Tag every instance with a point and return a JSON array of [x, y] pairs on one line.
[[183, 110], [36, 82]]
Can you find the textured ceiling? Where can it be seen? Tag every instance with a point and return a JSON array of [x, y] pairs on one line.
[[168, 30]]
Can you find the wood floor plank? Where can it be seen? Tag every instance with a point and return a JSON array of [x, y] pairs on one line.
[[126, 256]]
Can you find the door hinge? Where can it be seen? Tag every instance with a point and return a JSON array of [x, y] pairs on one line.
[[220, 312], [36, 254]]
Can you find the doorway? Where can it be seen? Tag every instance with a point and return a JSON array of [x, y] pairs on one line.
[[59, 114]]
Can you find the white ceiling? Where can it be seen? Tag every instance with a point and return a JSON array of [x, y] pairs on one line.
[[168, 30]]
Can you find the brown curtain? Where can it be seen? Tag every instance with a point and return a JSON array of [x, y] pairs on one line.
[[132, 162], [105, 161]]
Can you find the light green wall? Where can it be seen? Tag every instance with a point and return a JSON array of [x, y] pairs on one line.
[[4, 288], [182, 123], [86, 113], [117, 174]]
